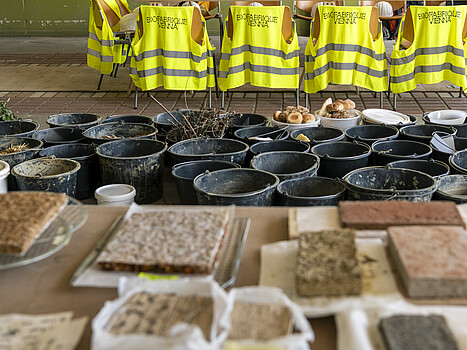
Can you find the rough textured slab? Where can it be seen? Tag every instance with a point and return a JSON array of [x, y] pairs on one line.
[[156, 314], [259, 321], [382, 214], [170, 241], [24, 216], [327, 264], [415, 332], [431, 260]]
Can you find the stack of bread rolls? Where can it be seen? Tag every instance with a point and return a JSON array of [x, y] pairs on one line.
[[294, 115], [338, 109]]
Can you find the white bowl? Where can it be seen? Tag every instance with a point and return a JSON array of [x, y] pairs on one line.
[[291, 127], [341, 123], [447, 117]]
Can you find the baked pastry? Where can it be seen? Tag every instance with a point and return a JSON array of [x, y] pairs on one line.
[[327, 264], [156, 314], [416, 332], [259, 321], [430, 260], [168, 241], [294, 118], [24, 216]]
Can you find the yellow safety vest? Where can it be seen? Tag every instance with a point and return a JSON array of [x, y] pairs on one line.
[[437, 52], [165, 54], [344, 52], [102, 52], [258, 53]]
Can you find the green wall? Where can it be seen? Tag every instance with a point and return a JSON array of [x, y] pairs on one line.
[[70, 18]]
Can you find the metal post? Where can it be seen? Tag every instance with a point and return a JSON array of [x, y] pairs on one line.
[[394, 103], [136, 97], [298, 97], [210, 98], [306, 100], [381, 100], [223, 100]]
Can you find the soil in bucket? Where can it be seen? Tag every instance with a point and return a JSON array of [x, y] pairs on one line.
[[382, 183], [16, 150], [184, 173], [136, 162], [310, 191], [85, 154], [47, 174], [287, 165], [247, 187]]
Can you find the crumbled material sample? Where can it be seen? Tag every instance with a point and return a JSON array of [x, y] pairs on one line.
[[377, 215], [24, 216], [259, 321], [168, 241], [416, 332], [327, 264], [156, 314], [431, 260]]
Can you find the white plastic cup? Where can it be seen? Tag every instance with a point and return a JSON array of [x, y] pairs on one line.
[[115, 194], [4, 172]]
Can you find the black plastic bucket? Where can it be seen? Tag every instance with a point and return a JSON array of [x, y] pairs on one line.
[[88, 174], [246, 120], [33, 148], [424, 132], [460, 143], [389, 151], [461, 130], [47, 174], [372, 133], [59, 135], [431, 167], [206, 148], [18, 128], [80, 120], [382, 183], [287, 165], [184, 173], [452, 188], [164, 121], [310, 191], [458, 162], [319, 134], [141, 119], [256, 134], [338, 158], [279, 146], [120, 130], [246, 187], [136, 162]]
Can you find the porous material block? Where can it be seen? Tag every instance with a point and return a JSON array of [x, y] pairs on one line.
[[156, 314], [416, 332], [24, 216], [431, 260], [259, 321], [327, 264], [377, 215], [167, 241]]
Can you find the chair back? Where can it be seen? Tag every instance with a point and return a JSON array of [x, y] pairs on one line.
[[264, 3]]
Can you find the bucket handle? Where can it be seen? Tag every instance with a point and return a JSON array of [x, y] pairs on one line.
[[394, 194]]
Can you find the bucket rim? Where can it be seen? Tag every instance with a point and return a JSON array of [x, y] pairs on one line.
[[417, 160], [343, 159], [50, 117], [266, 128], [341, 135], [314, 167], [287, 141], [129, 195], [99, 148], [4, 169], [193, 162], [22, 139], [107, 125], [443, 128], [72, 171], [361, 127], [66, 146], [447, 177], [314, 178], [431, 188], [236, 195], [170, 149], [408, 142]]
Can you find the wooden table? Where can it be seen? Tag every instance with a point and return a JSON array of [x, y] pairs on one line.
[[43, 287]]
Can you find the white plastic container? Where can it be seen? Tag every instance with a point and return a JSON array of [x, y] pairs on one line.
[[115, 194], [291, 127], [4, 172]]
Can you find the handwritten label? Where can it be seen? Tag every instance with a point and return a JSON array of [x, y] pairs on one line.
[[253, 20], [438, 17], [347, 17], [167, 22]]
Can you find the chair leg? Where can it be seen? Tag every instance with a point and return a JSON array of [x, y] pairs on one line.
[[210, 99], [136, 97], [460, 92], [394, 107], [381, 100], [223, 100], [298, 97], [306, 100], [221, 29], [100, 82], [116, 70]]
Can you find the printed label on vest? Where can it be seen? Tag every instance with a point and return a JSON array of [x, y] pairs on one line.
[[257, 20], [167, 22], [348, 17], [437, 17]]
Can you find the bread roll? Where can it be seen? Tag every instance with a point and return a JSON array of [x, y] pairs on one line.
[[308, 118], [294, 118]]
